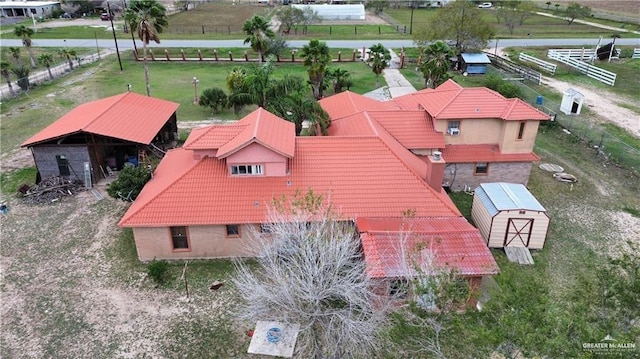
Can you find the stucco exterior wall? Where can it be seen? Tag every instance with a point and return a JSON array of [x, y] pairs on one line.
[[255, 154], [493, 131], [513, 172], [45, 158], [204, 242]]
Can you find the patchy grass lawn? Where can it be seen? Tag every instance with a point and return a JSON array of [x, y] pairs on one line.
[[73, 287]]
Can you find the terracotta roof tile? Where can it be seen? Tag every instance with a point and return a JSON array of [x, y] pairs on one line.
[[264, 128], [129, 116], [212, 137], [347, 103], [483, 153], [454, 242], [361, 175], [413, 129], [450, 101]]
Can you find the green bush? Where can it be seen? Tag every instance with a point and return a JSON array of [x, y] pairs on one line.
[[129, 183], [214, 98], [157, 270], [505, 88]]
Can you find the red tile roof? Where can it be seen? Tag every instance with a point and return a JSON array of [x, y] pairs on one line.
[[128, 116], [455, 244], [413, 129], [347, 103], [483, 153], [360, 175], [212, 137], [451, 101], [264, 128], [362, 124]]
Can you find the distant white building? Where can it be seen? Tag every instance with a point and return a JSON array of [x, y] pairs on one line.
[[336, 12], [38, 9]]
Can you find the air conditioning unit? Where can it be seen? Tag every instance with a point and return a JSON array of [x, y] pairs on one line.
[[453, 131]]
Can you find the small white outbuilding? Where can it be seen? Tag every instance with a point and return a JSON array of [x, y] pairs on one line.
[[508, 215], [571, 102]]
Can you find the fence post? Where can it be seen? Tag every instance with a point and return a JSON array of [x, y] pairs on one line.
[[166, 54], [355, 30], [339, 56], [215, 54], [184, 58], [379, 30], [200, 54], [202, 29], [246, 56], [329, 30], [230, 56]]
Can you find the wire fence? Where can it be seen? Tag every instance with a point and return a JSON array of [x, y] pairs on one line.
[[36, 78], [605, 145]]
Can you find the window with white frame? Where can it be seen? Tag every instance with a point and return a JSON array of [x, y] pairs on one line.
[[246, 170], [453, 125]]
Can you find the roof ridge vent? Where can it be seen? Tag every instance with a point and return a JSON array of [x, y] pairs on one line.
[[511, 195]]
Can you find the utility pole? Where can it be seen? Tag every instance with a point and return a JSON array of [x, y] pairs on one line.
[[113, 30]]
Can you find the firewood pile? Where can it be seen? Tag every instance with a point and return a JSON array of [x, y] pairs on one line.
[[51, 189]]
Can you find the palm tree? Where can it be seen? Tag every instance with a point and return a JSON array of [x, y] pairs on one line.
[[67, 55], [148, 18], [316, 58], [379, 57], [25, 33], [339, 78], [22, 74], [15, 53], [236, 85], [299, 107], [5, 70], [46, 60], [257, 31], [436, 64]]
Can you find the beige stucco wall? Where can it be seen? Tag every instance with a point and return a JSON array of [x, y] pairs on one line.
[[493, 131], [513, 172], [204, 242], [538, 231]]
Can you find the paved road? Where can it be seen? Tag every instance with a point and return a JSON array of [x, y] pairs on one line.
[[347, 44]]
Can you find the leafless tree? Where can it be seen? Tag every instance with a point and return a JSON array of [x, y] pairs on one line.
[[310, 272]]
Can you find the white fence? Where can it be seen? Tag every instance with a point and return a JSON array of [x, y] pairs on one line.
[[544, 65], [577, 54], [636, 54], [594, 72]]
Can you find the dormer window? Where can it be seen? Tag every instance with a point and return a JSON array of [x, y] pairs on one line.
[[246, 170]]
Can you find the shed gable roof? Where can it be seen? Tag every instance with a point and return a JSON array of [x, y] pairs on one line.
[[128, 116], [500, 196]]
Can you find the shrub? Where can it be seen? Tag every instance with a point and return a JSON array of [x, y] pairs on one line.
[[157, 270], [505, 88], [214, 98], [129, 183]]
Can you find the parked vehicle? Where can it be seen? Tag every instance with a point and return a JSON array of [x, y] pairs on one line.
[[106, 17], [485, 5]]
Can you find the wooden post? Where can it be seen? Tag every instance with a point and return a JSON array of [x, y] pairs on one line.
[[200, 54], [293, 56], [230, 56], [166, 54], [339, 56], [151, 54], [215, 54], [184, 58], [353, 56], [246, 56]]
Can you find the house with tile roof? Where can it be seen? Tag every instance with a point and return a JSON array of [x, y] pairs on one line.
[[482, 136], [205, 197], [103, 133]]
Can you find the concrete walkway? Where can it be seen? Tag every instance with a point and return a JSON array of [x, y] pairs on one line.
[[397, 84]]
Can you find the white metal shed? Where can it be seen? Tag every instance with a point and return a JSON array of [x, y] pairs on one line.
[[508, 215], [337, 12]]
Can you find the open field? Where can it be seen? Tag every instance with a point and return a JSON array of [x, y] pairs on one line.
[[72, 285]]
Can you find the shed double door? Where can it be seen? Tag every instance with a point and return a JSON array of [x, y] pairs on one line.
[[518, 233]]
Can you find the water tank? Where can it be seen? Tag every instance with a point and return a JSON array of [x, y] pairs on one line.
[[437, 155]]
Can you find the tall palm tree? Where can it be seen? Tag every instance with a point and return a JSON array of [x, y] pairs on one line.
[[379, 57], [257, 31], [236, 85], [340, 78], [68, 55], [46, 60], [316, 58], [25, 33], [299, 107], [5, 70], [15, 53], [148, 18], [436, 64]]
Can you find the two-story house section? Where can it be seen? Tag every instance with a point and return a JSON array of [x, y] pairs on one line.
[[488, 138]]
